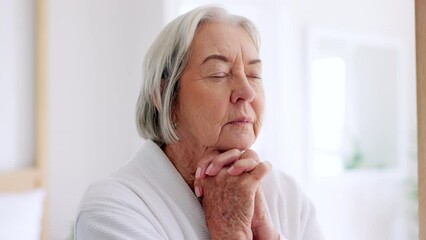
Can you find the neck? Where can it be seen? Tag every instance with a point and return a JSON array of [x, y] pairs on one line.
[[185, 158]]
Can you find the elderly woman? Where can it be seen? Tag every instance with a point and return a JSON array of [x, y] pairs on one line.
[[200, 109]]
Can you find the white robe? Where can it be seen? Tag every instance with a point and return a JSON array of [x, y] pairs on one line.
[[148, 199]]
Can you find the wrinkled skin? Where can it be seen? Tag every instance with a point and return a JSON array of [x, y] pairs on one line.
[[233, 199], [219, 115]]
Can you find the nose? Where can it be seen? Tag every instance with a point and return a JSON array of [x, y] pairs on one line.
[[242, 90]]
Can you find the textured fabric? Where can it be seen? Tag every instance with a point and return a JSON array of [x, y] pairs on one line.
[[148, 199]]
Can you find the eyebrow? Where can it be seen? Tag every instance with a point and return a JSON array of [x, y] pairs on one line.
[[217, 57], [225, 59], [255, 61]]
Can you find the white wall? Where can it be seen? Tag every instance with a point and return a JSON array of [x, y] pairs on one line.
[[16, 84], [95, 53]]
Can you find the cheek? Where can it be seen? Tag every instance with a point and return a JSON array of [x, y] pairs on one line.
[[212, 102], [258, 106], [212, 108], [203, 110]]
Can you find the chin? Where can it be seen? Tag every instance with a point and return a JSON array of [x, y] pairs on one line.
[[240, 142]]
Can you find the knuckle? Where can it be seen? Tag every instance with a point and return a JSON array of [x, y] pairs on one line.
[[221, 175], [235, 151], [239, 163], [254, 161], [204, 161], [247, 183], [216, 161], [253, 152], [264, 168], [249, 153]]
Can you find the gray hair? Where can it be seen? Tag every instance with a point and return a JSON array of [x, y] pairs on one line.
[[163, 66]]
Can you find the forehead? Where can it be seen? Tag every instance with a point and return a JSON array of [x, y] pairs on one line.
[[222, 38]]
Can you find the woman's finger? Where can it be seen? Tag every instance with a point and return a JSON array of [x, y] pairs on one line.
[[260, 170], [222, 160], [250, 154], [242, 165], [247, 162], [211, 165], [198, 189], [202, 166]]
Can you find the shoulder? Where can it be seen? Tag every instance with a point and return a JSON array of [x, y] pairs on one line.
[[128, 182], [127, 186], [138, 201], [112, 209], [115, 207], [107, 192]]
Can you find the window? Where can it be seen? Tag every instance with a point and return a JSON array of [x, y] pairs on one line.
[[327, 114]]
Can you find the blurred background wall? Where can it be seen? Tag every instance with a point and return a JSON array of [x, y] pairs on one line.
[[95, 50], [16, 83]]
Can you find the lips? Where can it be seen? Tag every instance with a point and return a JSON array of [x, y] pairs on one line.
[[241, 120]]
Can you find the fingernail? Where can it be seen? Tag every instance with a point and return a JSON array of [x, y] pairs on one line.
[[209, 169], [198, 172], [197, 191], [230, 169]]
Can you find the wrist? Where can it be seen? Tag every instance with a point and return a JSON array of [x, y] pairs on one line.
[[265, 233], [243, 235], [232, 234]]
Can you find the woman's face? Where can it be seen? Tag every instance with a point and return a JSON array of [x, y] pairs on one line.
[[221, 99]]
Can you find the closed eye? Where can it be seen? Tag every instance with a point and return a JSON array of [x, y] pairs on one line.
[[219, 75], [255, 77]]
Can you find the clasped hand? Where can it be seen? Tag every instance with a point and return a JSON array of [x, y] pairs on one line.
[[229, 187]]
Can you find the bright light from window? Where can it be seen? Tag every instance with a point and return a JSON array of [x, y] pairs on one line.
[[327, 114]]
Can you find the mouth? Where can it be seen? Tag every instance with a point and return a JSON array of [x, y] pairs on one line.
[[241, 121]]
